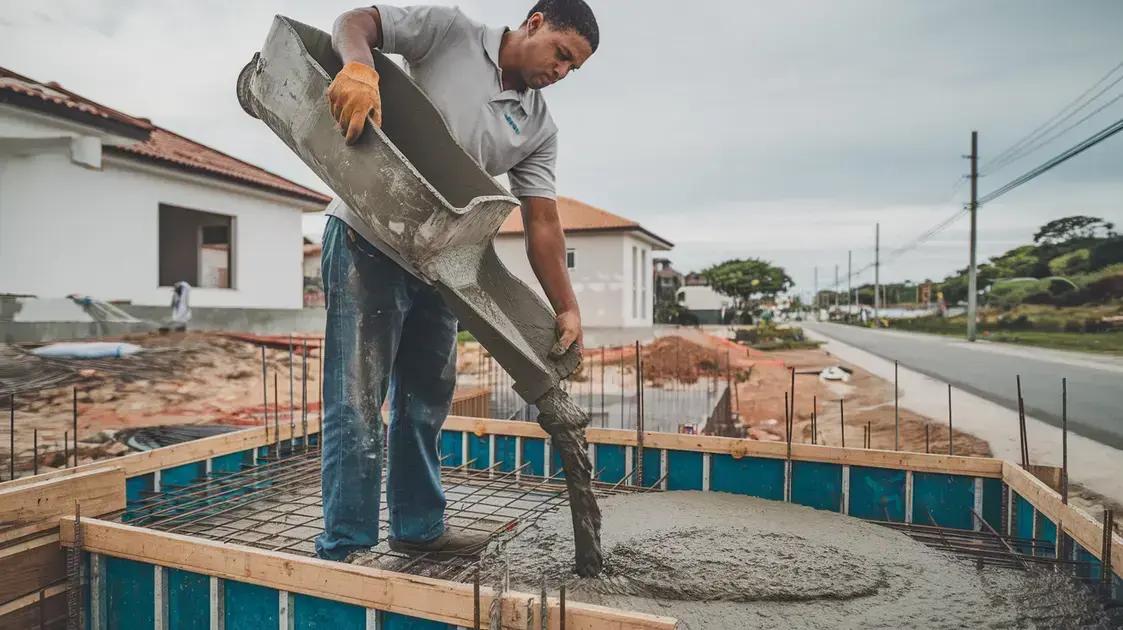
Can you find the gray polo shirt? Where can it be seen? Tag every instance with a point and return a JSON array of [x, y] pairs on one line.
[[455, 60]]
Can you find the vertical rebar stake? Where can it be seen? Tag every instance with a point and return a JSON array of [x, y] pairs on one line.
[[264, 393], [896, 410], [74, 575], [276, 417], [1064, 441], [476, 599], [561, 606], [544, 609], [65, 449], [35, 451], [1105, 553], [304, 395], [74, 423], [12, 436], [951, 449], [842, 420], [292, 395]]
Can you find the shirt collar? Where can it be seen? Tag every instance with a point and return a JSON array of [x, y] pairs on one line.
[[493, 37]]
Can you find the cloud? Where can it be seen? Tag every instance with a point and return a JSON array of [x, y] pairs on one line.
[[734, 129]]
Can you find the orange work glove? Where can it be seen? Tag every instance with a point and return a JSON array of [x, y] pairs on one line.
[[353, 95]]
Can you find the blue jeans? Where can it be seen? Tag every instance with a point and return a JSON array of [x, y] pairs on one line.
[[385, 330]]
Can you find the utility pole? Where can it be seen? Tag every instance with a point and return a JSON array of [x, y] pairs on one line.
[[877, 276], [849, 281], [815, 298], [972, 280], [835, 287]]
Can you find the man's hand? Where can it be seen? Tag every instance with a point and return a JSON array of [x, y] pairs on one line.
[[353, 96], [569, 331]]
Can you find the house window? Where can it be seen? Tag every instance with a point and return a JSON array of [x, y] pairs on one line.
[[570, 259], [635, 282], [195, 247], [645, 273]]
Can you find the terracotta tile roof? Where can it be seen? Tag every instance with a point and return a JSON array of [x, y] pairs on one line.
[[175, 150], [578, 216], [156, 144]]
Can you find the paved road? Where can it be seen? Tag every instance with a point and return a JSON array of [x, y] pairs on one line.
[[1095, 383]]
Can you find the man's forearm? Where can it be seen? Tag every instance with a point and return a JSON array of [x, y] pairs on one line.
[[545, 247], [355, 33]]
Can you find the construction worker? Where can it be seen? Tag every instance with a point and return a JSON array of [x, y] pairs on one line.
[[388, 330]]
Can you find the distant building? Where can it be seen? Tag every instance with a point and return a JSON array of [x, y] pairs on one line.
[[667, 281], [313, 281], [609, 259], [97, 202], [707, 305], [694, 279]]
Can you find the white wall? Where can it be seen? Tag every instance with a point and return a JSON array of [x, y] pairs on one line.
[[66, 228], [702, 298], [602, 277]]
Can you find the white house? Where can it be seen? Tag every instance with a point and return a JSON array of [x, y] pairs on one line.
[[707, 305], [609, 258], [97, 202]]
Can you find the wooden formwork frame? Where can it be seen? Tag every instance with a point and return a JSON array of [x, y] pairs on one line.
[[32, 531]]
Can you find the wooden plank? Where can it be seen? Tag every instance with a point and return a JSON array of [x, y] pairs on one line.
[[921, 462], [25, 607], [415, 596], [177, 454], [36, 507], [1075, 522], [30, 566]]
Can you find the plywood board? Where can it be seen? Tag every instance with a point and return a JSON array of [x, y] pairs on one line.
[[35, 507], [438, 600]]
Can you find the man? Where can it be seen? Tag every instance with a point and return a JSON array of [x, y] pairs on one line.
[[385, 328]]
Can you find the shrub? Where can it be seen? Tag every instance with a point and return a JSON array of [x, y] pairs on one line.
[[1076, 261], [1108, 252]]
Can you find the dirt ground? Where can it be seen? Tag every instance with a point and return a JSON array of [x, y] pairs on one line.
[[217, 380]]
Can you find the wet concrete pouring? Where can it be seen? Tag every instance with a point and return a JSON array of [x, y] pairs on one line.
[[716, 560]]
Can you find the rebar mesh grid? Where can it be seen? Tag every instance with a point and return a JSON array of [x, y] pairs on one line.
[[277, 505]]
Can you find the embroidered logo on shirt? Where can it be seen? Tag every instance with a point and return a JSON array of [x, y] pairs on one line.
[[511, 123]]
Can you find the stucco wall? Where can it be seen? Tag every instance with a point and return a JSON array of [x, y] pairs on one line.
[[66, 228]]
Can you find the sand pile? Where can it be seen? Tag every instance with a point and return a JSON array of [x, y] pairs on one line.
[[715, 560]]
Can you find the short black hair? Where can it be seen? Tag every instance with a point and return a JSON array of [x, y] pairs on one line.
[[569, 14]]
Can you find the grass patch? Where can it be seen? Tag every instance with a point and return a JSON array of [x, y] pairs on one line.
[[464, 337]]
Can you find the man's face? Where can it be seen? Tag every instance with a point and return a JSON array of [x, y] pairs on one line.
[[551, 54]]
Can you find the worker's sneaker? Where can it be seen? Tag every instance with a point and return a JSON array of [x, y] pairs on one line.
[[453, 542]]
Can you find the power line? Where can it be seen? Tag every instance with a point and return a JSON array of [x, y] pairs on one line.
[[1033, 148], [1006, 156], [1072, 152]]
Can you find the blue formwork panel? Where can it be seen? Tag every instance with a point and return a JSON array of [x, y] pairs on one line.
[[1023, 522], [182, 476], [1087, 566], [534, 456], [394, 621], [231, 462], [945, 499], [815, 484], [992, 503], [452, 448], [556, 467], [189, 600], [505, 447], [314, 613], [1046, 540], [478, 451], [684, 470], [249, 606], [130, 594], [754, 476], [877, 493], [652, 467], [610, 462], [136, 490]]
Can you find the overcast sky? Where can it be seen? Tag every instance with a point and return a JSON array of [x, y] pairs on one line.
[[778, 130]]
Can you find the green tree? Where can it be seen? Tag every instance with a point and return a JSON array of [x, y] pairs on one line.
[[747, 279], [1071, 228]]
